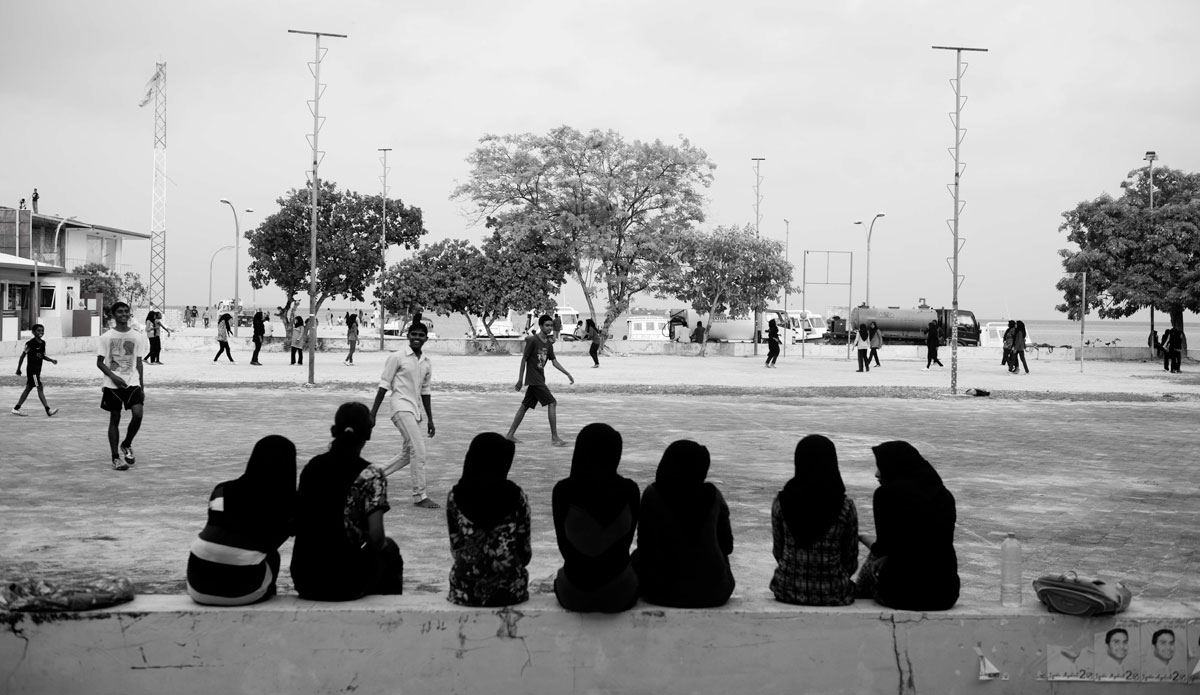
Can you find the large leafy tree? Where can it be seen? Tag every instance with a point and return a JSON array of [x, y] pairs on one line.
[[97, 277], [349, 244], [726, 271], [1136, 258], [609, 209]]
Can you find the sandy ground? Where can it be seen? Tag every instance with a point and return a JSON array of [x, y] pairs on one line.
[[1094, 471]]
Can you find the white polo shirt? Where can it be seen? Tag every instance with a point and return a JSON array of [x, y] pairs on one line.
[[408, 378]]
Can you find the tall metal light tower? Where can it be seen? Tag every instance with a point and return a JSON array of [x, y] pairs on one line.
[[383, 243], [156, 89], [959, 134]]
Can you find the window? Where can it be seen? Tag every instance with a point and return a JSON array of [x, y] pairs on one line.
[[48, 295], [17, 297]]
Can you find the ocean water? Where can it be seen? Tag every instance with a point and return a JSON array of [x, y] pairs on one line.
[[1117, 333]]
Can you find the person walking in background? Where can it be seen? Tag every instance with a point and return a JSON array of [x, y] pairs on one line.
[[914, 518], [154, 329], [351, 337], [341, 551], [593, 334], [1018, 349], [235, 561], [875, 336], [684, 537], [862, 341], [35, 350], [814, 530], [1008, 343], [489, 522], [206, 316], [408, 376], [297, 341], [558, 326], [932, 340], [539, 349], [223, 331], [772, 343], [1173, 350], [595, 513], [119, 352], [260, 331]]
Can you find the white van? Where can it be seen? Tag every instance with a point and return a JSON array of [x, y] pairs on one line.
[[806, 326], [569, 317]]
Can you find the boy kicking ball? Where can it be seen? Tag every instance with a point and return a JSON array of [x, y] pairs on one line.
[[118, 351], [539, 349], [35, 350]]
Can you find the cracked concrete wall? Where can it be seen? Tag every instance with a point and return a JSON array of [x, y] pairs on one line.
[[161, 644]]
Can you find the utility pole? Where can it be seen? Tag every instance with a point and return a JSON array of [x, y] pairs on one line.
[[959, 134], [156, 89], [384, 244], [757, 233], [314, 106]]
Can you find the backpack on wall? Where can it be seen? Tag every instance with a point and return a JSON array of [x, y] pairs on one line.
[[1069, 594]]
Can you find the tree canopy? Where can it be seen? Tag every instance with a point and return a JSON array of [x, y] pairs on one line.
[[726, 271], [97, 277], [349, 248], [1134, 257], [606, 209]]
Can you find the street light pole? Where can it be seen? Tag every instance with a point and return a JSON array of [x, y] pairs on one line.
[[210, 271], [787, 239], [37, 287], [383, 246], [237, 237], [870, 229], [1151, 155]]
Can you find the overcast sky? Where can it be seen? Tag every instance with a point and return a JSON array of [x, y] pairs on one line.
[[845, 100]]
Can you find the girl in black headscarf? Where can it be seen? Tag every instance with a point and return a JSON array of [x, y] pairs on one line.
[[260, 329], [595, 517], [814, 530], [684, 537], [913, 565], [235, 561], [862, 342], [772, 342], [341, 552], [488, 516]]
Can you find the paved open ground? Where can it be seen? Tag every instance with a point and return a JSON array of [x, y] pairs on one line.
[[1095, 472]]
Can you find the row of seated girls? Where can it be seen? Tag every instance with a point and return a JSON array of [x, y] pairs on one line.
[[680, 522]]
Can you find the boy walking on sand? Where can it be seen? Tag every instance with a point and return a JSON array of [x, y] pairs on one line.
[[35, 350], [118, 351], [408, 374], [539, 349]]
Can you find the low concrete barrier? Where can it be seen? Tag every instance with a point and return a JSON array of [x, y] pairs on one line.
[[423, 644]]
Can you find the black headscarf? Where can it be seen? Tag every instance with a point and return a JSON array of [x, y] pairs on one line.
[[680, 478], [269, 483], [259, 328], [484, 493], [325, 482], [901, 465], [594, 483], [813, 498]]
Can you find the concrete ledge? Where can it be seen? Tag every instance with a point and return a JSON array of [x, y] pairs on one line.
[[423, 644]]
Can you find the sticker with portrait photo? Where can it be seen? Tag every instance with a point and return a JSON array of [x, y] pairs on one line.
[[1164, 656], [1071, 662], [1193, 650], [1118, 652]]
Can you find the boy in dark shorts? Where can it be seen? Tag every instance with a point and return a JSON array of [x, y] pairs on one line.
[[539, 349], [35, 350], [118, 351]]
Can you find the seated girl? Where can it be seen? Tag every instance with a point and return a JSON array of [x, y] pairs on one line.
[[684, 537], [814, 530], [235, 561], [595, 517], [341, 552], [912, 566], [488, 516]]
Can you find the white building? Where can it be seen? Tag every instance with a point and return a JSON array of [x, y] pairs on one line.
[[47, 248]]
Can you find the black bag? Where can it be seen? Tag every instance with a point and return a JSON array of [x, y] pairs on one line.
[[1069, 594]]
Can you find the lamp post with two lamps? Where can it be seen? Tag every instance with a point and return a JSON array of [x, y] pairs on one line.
[[37, 287], [210, 270], [237, 236], [870, 228]]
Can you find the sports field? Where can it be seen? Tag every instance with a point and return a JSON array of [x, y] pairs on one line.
[[1095, 473]]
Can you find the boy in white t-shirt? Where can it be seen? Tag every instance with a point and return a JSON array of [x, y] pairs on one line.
[[119, 351]]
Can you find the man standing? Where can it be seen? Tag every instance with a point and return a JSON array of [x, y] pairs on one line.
[[35, 350], [34, 199], [118, 351], [539, 349], [557, 327], [408, 375]]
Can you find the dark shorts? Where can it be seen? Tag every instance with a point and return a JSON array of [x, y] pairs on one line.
[[115, 400], [535, 395], [33, 378]]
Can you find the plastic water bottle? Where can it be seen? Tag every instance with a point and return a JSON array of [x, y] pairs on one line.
[[1010, 572]]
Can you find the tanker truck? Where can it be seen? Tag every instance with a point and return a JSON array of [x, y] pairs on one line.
[[910, 325]]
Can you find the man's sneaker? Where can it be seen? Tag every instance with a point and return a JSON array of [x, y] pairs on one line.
[[127, 454], [52, 412], [427, 503], [119, 465], [18, 413]]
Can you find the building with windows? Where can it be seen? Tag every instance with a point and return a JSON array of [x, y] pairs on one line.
[[37, 254]]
